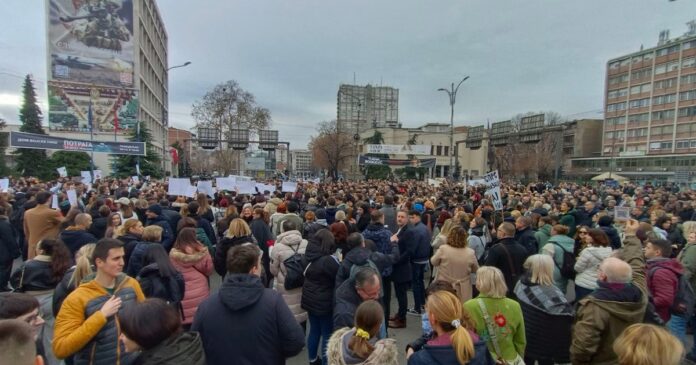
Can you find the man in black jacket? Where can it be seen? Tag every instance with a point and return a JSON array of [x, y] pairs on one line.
[[154, 216], [244, 322], [401, 272], [365, 286], [508, 255], [525, 235], [78, 235], [9, 249], [419, 261]]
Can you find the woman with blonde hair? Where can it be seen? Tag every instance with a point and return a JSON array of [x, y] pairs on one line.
[[360, 345], [441, 238], [151, 235], [647, 344], [454, 342], [498, 316], [130, 233], [74, 276], [548, 316], [238, 233], [455, 262]]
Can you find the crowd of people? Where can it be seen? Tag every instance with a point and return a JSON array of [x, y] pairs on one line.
[[122, 273]]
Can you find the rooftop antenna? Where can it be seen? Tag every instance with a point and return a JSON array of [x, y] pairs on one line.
[[692, 27], [664, 37], [354, 78]]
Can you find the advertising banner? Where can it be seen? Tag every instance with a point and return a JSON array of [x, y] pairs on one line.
[[377, 161], [68, 107], [91, 41], [397, 149], [254, 163], [46, 142]]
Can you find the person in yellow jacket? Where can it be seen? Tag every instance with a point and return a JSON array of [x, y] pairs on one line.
[[86, 327]]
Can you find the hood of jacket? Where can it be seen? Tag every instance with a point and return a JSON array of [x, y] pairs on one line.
[[546, 229], [240, 291], [666, 263], [358, 256], [186, 259], [289, 238], [385, 351], [623, 301], [313, 251], [184, 348]]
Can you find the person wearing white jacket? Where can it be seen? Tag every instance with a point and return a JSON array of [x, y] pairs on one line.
[[587, 265], [288, 243]]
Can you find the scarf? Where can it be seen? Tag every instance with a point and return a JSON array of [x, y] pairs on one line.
[[545, 298]]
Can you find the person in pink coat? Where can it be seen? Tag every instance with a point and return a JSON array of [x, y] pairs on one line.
[[192, 259]]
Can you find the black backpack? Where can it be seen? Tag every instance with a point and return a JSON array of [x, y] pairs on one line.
[[295, 267], [567, 266]]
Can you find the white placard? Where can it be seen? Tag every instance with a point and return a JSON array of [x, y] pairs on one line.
[[246, 187], [62, 171], [289, 187], [4, 185], [476, 182], [72, 197], [179, 186], [86, 177], [434, 183], [206, 187], [191, 191], [97, 174], [240, 178], [496, 199], [492, 179], [264, 187], [316, 181], [225, 183], [622, 214], [135, 179], [54, 201]]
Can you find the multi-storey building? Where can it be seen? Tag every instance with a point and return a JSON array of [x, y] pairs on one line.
[[301, 163], [650, 112]]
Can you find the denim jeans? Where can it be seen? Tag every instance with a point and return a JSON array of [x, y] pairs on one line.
[[418, 286], [320, 328], [677, 327]]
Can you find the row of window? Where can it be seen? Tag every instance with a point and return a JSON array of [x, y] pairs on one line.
[[636, 162], [649, 56], [687, 95], [656, 100], [686, 144], [654, 131], [659, 70]]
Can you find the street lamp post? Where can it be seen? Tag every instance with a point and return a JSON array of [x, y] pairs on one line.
[[452, 93], [165, 124]]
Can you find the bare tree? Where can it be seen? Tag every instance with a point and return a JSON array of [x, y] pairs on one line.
[[331, 148]]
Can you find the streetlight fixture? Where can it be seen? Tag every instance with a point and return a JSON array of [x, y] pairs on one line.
[[165, 124], [452, 93]]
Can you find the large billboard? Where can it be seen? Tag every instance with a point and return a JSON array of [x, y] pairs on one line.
[[46, 142], [397, 149], [91, 50]]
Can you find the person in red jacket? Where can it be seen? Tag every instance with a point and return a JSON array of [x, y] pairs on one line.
[[663, 275]]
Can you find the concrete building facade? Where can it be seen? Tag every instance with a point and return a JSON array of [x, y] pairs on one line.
[[301, 163]]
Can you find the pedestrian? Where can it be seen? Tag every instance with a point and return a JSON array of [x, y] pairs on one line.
[[41, 222], [507, 255], [419, 261], [159, 278], [587, 266], [288, 244], [237, 234], [401, 273], [360, 343], [160, 342], [9, 249], [150, 235], [556, 246], [17, 343], [642, 343], [78, 235], [74, 276]]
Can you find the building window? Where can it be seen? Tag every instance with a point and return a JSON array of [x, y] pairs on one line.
[[663, 114], [687, 112], [641, 73], [616, 107], [614, 65], [638, 118], [666, 84], [618, 79], [616, 121], [666, 67], [686, 144], [688, 62], [687, 95], [688, 79], [660, 146], [640, 132], [446, 150], [645, 88], [662, 130], [640, 103], [664, 99], [615, 134], [618, 93], [686, 128], [438, 151]]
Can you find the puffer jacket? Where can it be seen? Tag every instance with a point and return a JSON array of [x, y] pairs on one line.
[[587, 265], [184, 348], [82, 330], [319, 282], [603, 315], [551, 249], [338, 353], [224, 245], [663, 283], [381, 236], [136, 259], [195, 268], [287, 244]]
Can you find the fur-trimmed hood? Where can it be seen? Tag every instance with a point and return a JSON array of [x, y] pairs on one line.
[[187, 259], [385, 352]]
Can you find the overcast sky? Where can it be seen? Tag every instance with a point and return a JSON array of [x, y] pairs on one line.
[[292, 55]]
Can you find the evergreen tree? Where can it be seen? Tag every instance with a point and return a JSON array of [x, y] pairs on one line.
[[150, 164], [73, 161], [31, 162]]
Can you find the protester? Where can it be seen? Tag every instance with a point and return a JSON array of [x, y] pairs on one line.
[[454, 341], [619, 301], [155, 217], [150, 235], [244, 319], [419, 260], [193, 261], [17, 343], [78, 235], [130, 233], [263, 235], [158, 342], [493, 313], [86, 324], [318, 293], [113, 222], [587, 266], [507, 255], [645, 344], [455, 263], [41, 222], [524, 235], [401, 273], [237, 234], [159, 278], [558, 246], [548, 316], [288, 244], [74, 276], [364, 286], [360, 344], [9, 249]]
